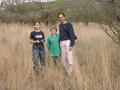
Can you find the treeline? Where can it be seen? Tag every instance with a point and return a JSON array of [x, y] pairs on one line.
[[27, 12], [76, 10], [104, 12], [100, 11]]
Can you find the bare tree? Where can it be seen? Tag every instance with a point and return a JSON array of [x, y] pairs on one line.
[[3, 4], [112, 19]]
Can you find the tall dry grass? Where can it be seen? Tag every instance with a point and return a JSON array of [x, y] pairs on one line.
[[96, 61]]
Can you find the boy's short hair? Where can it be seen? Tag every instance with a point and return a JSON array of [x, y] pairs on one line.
[[53, 27], [37, 21], [60, 13]]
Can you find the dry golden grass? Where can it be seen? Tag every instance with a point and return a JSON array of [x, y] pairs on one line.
[[96, 63]]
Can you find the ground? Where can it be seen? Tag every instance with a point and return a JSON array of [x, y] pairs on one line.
[[96, 61]]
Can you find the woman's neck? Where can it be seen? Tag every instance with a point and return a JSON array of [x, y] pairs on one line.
[[64, 22]]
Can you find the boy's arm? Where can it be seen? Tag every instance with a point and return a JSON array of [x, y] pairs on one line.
[[43, 40]]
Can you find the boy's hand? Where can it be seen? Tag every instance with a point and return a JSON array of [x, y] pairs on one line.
[[42, 41], [37, 41]]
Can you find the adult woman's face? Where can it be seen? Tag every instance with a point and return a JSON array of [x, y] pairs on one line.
[[61, 18]]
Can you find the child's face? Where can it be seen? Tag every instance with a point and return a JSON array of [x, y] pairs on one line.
[[37, 26], [53, 32]]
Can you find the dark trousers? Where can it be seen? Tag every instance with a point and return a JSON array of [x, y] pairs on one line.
[[38, 55]]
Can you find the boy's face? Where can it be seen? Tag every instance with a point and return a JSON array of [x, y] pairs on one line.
[[53, 32], [37, 26], [61, 18]]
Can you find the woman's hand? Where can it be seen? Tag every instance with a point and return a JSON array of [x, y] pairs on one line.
[[70, 48]]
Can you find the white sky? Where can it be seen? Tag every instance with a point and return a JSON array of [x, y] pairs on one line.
[[31, 0], [42, 0]]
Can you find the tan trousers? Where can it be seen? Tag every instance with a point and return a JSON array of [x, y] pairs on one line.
[[67, 56]]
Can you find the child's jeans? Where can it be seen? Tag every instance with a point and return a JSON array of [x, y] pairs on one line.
[[38, 55]]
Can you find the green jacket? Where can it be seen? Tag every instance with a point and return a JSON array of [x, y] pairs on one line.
[[53, 44]]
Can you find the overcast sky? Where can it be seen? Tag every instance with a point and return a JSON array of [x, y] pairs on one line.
[[30, 0]]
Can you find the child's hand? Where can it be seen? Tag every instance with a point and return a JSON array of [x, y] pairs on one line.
[[42, 41], [37, 41]]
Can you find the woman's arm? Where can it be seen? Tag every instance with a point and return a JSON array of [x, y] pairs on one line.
[[71, 34]]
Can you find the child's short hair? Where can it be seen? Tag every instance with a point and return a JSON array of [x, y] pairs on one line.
[[53, 27], [37, 21]]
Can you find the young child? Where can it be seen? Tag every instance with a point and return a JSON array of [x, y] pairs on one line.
[[37, 38], [53, 44]]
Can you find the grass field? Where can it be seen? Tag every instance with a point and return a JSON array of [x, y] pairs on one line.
[[96, 61]]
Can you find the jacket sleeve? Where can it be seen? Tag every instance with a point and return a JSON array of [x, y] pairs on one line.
[[71, 34]]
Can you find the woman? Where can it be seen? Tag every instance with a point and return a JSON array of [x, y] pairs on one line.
[[67, 41]]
